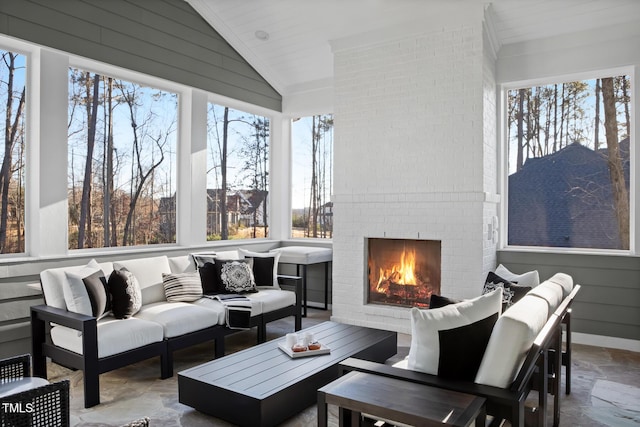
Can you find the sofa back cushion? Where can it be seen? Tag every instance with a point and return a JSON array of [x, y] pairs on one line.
[[181, 264], [511, 339], [148, 272], [563, 280], [53, 281]]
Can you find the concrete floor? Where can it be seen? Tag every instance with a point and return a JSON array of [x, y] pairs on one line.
[[605, 387]]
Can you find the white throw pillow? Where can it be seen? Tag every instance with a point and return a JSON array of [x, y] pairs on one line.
[[424, 353], [75, 292], [530, 278]]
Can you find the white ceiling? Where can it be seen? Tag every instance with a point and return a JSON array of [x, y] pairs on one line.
[[297, 54]]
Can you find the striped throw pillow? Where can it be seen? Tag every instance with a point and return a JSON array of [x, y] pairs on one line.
[[184, 287]]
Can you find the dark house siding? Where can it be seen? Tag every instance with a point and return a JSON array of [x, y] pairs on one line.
[[162, 38]]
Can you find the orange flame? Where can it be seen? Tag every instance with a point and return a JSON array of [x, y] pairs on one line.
[[404, 272]]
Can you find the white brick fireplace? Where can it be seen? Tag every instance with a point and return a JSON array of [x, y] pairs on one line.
[[415, 157]]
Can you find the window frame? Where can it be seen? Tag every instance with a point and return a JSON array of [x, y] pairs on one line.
[[503, 159], [131, 76], [245, 107]]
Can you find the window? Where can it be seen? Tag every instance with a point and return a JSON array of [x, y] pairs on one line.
[[569, 164], [122, 144], [312, 177], [12, 177], [237, 174]]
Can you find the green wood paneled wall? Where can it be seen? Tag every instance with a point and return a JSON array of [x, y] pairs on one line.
[[609, 301], [163, 38]]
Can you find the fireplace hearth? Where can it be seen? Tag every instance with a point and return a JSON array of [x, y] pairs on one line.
[[403, 272]]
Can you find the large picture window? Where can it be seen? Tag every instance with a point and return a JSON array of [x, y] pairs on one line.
[[312, 177], [569, 164], [12, 109], [237, 174], [122, 144]]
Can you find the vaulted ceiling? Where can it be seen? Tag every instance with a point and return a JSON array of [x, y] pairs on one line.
[[296, 52]]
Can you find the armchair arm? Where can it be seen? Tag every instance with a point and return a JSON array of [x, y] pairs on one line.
[[72, 320], [15, 368], [87, 325], [496, 393]]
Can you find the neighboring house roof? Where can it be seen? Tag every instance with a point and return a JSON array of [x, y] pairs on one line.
[[564, 199]]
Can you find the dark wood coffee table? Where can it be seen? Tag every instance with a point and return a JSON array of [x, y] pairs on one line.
[[396, 400], [262, 386]]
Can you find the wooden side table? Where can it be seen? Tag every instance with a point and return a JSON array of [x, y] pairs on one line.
[[397, 400]]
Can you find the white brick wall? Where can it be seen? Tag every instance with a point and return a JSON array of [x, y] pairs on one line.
[[410, 148]]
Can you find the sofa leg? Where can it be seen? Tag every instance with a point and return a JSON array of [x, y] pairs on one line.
[[91, 388], [262, 332], [166, 365], [219, 343], [38, 337]]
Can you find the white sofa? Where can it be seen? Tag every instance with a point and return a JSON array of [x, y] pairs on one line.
[[524, 350], [98, 345]]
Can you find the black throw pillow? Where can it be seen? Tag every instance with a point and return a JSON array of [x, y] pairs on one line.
[[263, 270], [462, 349], [437, 301], [126, 297], [98, 291], [236, 275], [210, 278]]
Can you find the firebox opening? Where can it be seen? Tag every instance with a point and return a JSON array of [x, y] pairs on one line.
[[403, 272]]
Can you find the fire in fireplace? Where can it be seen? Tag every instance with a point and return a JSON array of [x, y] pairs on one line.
[[403, 272]]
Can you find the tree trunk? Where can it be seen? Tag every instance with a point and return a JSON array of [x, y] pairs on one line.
[[86, 184], [616, 171], [224, 221], [596, 131], [11, 131], [520, 136]]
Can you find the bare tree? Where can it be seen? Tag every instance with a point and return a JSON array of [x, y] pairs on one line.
[[85, 202], [614, 160], [11, 133]]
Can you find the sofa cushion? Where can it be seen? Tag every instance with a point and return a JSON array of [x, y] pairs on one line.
[[148, 272], [15, 386], [182, 286], [550, 292], [181, 264], [565, 281], [510, 341], [216, 308], [273, 299], [265, 267], [304, 254], [126, 296], [424, 353], [53, 280], [114, 335], [529, 278], [177, 318]]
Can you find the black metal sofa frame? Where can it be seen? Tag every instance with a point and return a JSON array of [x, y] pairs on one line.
[[92, 366], [540, 371]]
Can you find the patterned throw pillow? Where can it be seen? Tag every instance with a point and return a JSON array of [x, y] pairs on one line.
[[237, 276], [182, 286], [511, 292], [126, 296]]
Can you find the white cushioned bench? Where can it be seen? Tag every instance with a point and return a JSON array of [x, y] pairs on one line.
[[303, 256]]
